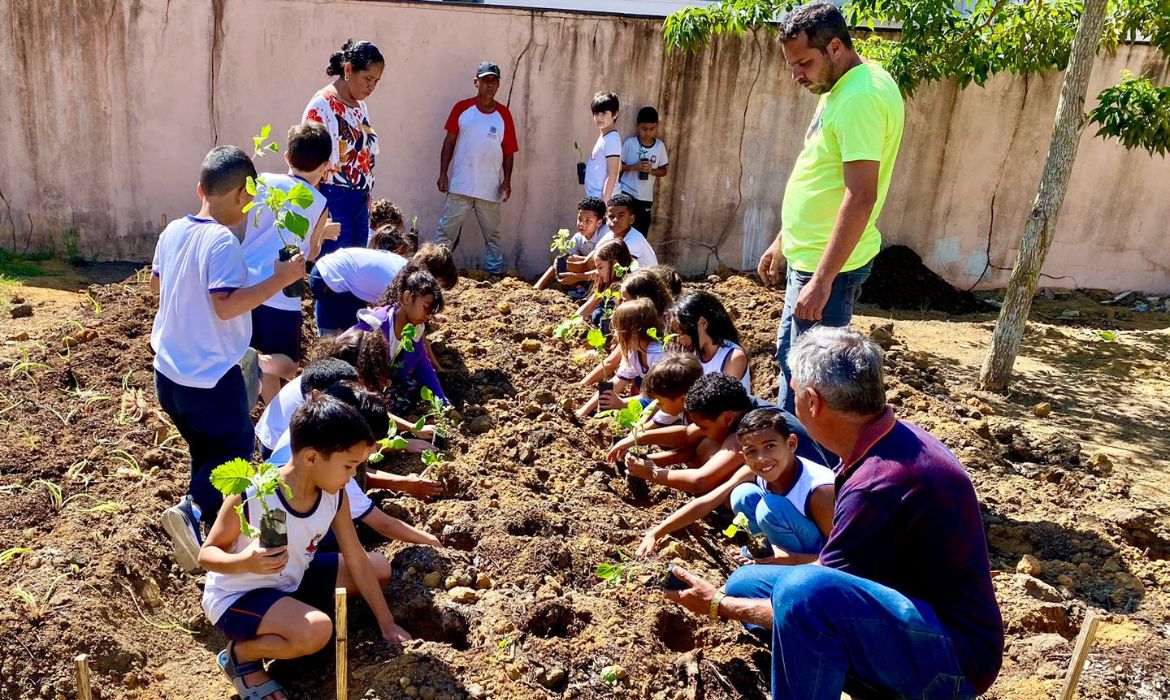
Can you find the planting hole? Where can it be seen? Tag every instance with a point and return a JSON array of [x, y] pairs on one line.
[[556, 619], [676, 632], [424, 619]]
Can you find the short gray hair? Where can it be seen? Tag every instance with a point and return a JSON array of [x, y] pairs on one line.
[[843, 366]]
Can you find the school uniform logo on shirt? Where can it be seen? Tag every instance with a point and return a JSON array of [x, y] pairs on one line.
[[312, 548], [492, 132]]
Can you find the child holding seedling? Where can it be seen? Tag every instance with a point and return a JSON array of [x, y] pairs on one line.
[[276, 416], [644, 160], [668, 382], [604, 166], [639, 284], [272, 602], [276, 323], [610, 259], [590, 219], [633, 322], [349, 279], [201, 332], [786, 498], [705, 328]]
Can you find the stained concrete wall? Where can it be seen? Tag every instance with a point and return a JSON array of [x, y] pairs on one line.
[[111, 104]]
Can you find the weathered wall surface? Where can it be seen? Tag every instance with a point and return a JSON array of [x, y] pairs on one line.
[[111, 104]]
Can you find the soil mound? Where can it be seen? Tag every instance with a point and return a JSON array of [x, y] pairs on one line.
[[900, 280]]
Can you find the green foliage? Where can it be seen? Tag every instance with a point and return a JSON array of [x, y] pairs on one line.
[[392, 441], [560, 242], [260, 143], [570, 327], [436, 465], [15, 266], [596, 339], [13, 552], [1107, 336], [612, 674], [409, 335], [234, 478], [1135, 112], [277, 200], [620, 270], [439, 410], [653, 333], [740, 523], [632, 417]]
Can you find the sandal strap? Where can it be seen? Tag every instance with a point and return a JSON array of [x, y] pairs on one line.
[[259, 692], [232, 669]]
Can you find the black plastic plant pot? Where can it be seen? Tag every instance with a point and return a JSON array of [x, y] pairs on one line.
[[297, 289], [580, 173], [642, 175], [441, 442], [759, 547], [604, 386], [562, 264], [605, 328], [671, 582], [273, 529]]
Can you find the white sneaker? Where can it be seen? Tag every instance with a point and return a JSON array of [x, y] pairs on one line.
[[181, 523]]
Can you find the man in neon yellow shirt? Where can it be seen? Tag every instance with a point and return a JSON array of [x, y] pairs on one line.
[[839, 183]]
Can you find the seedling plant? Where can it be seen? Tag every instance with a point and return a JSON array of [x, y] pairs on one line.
[[279, 202], [631, 419], [561, 246], [440, 411], [392, 441], [597, 340], [570, 329], [234, 478], [648, 573], [757, 545]]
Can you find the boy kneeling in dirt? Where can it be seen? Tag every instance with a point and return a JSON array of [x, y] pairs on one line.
[[270, 602], [784, 497]]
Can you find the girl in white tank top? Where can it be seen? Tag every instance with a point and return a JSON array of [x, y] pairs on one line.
[[705, 328]]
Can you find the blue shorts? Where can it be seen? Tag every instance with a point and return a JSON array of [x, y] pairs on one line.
[[242, 619], [277, 331]]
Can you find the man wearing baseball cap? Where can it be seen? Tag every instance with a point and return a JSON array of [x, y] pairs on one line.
[[475, 165]]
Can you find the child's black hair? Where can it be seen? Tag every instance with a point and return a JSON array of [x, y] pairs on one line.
[[225, 169], [604, 102], [365, 350], [696, 304], [764, 419], [644, 284], [414, 279], [621, 199], [437, 260], [593, 204], [715, 393], [647, 115], [669, 277], [309, 146], [359, 54], [324, 373], [368, 403], [672, 376], [328, 425], [387, 238]]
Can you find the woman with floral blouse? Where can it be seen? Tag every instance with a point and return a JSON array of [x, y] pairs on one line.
[[341, 107]]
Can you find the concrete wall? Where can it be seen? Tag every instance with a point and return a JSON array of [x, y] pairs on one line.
[[111, 104]]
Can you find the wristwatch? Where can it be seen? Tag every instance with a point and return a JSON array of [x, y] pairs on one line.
[[715, 601]]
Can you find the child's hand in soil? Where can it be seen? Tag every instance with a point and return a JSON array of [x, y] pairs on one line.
[[265, 560], [394, 634], [610, 401], [437, 320], [618, 451], [649, 544], [417, 447], [331, 232], [639, 467], [420, 488]]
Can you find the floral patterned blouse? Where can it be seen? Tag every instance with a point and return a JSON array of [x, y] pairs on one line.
[[355, 145]]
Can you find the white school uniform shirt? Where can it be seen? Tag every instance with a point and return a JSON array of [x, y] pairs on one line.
[[633, 152], [305, 530], [262, 241], [278, 414], [360, 504], [193, 346], [596, 168], [580, 245], [482, 141], [636, 243], [363, 272], [812, 477], [632, 367]]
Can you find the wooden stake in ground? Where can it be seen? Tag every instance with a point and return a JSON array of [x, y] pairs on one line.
[[1080, 654], [340, 625], [83, 691]]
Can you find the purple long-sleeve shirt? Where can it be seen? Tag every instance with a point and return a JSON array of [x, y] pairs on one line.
[[415, 364], [907, 517]]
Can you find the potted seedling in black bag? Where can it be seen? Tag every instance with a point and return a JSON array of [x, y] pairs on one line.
[[609, 301], [739, 532], [580, 165], [561, 245], [414, 233], [440, 411], [278, 202], [234, 478], [630, 419]]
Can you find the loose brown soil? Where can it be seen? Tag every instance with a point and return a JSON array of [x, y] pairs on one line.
[[536, 509]]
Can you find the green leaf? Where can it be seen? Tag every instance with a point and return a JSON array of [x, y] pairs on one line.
[[419, 425], [740, 523], [250, 185], [245, 528], [249, 206], [274, 148], [233, 478], [1107, 336], [296, 224], [595, 338], [300, 196], [265, 131]]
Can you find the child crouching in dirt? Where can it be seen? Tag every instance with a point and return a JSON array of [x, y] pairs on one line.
[[590, 219], [784, 497], [272, 603], [632, 323]]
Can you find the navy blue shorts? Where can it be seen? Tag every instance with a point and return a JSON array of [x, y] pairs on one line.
[[242, 619], [276, 331]]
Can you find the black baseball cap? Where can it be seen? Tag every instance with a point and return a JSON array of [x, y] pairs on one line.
[[487, 68]]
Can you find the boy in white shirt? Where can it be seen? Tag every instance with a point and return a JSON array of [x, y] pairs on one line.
[[590, 220], [620, 215], [276, 324], [201, 331], [644, 160], [605, 160]]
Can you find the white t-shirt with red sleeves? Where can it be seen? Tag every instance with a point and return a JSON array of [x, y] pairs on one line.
[[482, 141], [608, 145]]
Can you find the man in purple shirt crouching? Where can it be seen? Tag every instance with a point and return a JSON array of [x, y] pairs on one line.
[[900, 602]]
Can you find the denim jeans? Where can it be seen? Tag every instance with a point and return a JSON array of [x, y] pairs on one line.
[[217, 427], [838, 311], [335, 311], [351, 208], [835, 632], [775, 517], [456, 209]]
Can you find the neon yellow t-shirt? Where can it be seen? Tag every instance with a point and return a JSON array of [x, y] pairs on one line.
[[861, 118]]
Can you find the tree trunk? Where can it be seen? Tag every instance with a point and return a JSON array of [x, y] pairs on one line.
[[1062, 151]]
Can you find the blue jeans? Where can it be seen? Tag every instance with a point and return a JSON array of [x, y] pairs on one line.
[[838, 312], [775, 517], [335, 311], [217, 427], [350, 208], [835, 632]]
